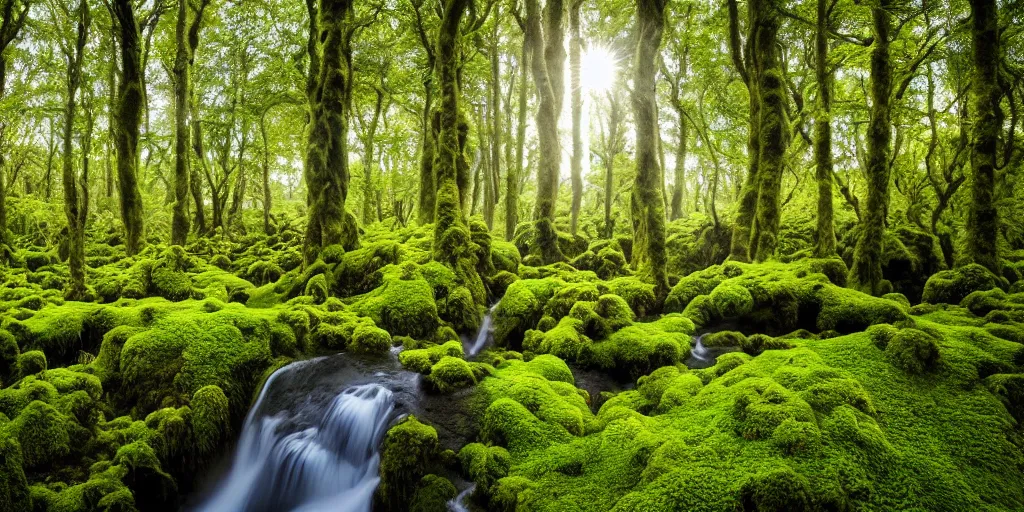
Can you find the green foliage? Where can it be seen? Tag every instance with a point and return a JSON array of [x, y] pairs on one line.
[[407, 453]]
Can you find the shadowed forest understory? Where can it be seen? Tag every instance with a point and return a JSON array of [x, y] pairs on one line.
[[511, 255]]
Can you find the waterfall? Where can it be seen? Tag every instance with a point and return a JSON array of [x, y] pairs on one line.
[[328, 465], [484, 334], [457, 504]]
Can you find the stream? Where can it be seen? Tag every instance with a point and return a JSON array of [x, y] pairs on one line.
[[311, 441]]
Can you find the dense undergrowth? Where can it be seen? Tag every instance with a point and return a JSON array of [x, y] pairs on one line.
[[832, 399]]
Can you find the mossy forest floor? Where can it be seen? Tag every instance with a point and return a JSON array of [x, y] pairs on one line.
[[829, 400]]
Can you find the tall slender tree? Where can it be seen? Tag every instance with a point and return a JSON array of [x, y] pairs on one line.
[[127, 119], [327, 148], [648, 204], [575, 87], [747, 205], [180, 223], [983, 218], [75, 209], [866, 273], [825, 239], [773, 129], [15, 13], [548, 65]]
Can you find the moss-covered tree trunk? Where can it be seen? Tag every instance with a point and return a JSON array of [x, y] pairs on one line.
[[127, 119], [72, 200], [515, 171], [825, 240], [983, 218], [369, 161], [327, 148], [548, 65], [427, 184], [648, 202], [576, 162], [111, 127], [678, 202], [14, 17], [773, 130], [182, 159], [747, 204], [497, 135], [866, 273], [267, 199], [452, 243]]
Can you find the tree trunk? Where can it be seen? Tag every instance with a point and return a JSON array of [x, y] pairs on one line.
[[427, 182], [774, 129], [747, 205], [369, 177], [266, 174], [182, 159], [111, 124], [327, 154], [576, 163], [515, 171], [13, 21], [983, 218], [648, 201], [494, 189], [127, 120], [825, 244], [548, 67], [72, 204], [451, 234], [866, 273]]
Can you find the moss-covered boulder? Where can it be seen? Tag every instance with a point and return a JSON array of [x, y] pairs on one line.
[[408, 451], [952, 286]]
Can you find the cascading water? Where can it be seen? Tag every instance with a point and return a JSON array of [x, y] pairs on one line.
[[699, 351], [457, 504], [329, 465], [484, 334]]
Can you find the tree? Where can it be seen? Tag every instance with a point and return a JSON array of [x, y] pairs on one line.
[[127, 118], [747, 207], [327, 151], [75, 190], [548, 64], [182, 159], [983, 218], [825, 241], [773, 128], [15, 13], [648, 204], [576, 163], [866, 273]]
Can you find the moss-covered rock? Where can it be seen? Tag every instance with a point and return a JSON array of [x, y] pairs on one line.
[[449, 374], [952, 286], [407, 453], [432, 494], [913, 350]]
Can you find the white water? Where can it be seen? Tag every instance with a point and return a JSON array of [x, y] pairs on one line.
[[457, 504], [332, 466], [699, 351], [484, 334]]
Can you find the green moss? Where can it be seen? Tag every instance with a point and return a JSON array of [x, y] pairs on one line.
[[9, 353], [31, 363], [211, 419], [913, 350], [42, 432], [731, 300], [450, 374], [407, 453], [404, 305], [370, 340], [638, 294], [14, 493], [171, 284], [521, 308], [724, 339], [952, 286], [432, 494], [150, 485], [776, 491], [422, 359], [484, 465], [317, 288], [640, 348]]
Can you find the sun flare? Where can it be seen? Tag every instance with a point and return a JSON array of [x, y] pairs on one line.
[[598, 68]]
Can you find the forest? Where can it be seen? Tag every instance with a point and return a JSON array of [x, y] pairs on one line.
[[511, 255]]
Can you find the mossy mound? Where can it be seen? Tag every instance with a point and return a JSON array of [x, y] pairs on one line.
[[779, 298], [831, 424], [953, 286]]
